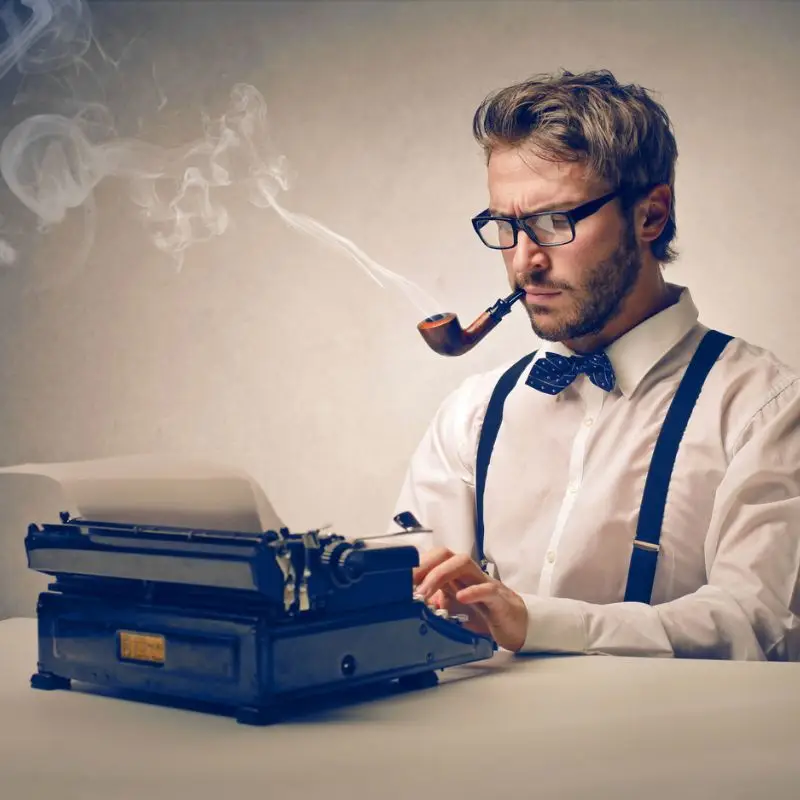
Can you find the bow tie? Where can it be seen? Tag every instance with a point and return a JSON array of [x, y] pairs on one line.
[[553, 372]]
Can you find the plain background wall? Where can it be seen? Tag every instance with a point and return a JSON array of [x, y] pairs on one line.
[[274, 352]]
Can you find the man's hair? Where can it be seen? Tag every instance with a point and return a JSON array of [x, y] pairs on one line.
[[622, 135]]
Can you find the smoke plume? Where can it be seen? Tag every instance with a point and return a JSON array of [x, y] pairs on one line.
[[53, 162]]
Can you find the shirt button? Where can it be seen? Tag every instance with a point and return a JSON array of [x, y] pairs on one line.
[[572, 488], [551, 556], [588, 422]]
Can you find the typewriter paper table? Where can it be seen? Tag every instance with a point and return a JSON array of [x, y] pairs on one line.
[[533, 727]]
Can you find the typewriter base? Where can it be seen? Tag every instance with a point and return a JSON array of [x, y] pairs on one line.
[[279, 710], [49, 682], [257, 669], [248, 715]]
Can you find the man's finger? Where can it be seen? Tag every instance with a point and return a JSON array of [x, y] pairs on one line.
[[458, 567], [428, 561], [484, 593], [438, 599], [476, 618]]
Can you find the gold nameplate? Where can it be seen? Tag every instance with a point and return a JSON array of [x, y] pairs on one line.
[[147, 647]]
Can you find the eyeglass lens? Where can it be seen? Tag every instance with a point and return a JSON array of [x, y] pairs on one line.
[[547, 229]]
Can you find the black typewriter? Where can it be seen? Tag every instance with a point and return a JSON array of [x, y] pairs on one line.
[[252, 622]]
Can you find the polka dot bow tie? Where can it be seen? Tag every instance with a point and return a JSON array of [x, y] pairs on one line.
[[553, 372]]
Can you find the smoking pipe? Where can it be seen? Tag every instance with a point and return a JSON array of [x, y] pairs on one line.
[[444, 335]]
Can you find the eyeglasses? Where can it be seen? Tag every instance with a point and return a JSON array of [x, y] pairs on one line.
[[546, 228]]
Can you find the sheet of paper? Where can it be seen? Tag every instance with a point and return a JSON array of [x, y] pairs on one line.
[[159, 490]]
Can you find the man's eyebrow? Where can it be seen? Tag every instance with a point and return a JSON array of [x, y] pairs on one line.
[[561, 205]]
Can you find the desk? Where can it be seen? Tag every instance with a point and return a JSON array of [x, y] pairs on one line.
[[569, 727]]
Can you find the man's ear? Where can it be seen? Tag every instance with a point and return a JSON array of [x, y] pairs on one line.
[[652, 213]]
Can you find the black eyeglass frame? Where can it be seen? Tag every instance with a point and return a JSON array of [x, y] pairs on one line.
[[573, 216]]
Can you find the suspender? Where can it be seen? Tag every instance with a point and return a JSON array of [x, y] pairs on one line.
[[489, 429], [644, 557], [642, 571]]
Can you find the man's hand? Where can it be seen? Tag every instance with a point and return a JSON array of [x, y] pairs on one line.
[[455, 582]]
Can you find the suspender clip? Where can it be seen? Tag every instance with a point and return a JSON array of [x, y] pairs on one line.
[[642, 545]]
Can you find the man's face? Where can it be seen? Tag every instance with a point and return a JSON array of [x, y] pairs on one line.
[[575, 289]]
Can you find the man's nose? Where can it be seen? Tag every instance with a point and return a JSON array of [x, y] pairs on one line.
[[528, 255]]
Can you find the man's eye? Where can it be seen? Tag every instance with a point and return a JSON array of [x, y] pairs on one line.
[[553, 222], [560, 222]]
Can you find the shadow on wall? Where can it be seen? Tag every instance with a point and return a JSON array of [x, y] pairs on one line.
[[24, 500]]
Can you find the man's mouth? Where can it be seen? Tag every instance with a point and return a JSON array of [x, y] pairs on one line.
[[537, 292]]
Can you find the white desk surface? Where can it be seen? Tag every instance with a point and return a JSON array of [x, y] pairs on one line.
[[545, 728]]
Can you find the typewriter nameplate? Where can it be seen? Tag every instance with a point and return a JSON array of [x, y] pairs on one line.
[[149, 648]]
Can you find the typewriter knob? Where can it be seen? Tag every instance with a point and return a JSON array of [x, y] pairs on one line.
[[345, 563]]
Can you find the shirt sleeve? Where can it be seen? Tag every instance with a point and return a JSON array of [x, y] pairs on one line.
[[439, 484], [749, 608]]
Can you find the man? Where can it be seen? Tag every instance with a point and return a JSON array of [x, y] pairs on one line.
[[595, 539]]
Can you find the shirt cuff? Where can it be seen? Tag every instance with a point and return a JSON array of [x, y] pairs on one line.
[[555, 625]]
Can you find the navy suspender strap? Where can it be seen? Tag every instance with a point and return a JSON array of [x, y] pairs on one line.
[[644, 558], [489, 429], [642, 570]]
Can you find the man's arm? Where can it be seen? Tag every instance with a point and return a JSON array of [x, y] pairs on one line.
[[748, 610], [439, 485], [750, 605]]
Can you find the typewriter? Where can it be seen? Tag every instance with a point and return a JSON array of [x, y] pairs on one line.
[[250, 622]]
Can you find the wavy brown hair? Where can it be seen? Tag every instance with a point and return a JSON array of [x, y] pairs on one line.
[[618, 130]]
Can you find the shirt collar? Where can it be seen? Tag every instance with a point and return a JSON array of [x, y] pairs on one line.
[[636, 352]]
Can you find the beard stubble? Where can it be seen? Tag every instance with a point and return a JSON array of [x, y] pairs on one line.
[[598, 299]]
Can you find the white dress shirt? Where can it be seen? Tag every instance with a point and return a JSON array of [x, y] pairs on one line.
[[565, 483]]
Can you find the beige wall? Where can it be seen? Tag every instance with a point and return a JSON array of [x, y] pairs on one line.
[[275, 352]]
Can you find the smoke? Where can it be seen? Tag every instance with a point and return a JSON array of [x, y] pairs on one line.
[[8, 255], [43, 35], [54, 162]]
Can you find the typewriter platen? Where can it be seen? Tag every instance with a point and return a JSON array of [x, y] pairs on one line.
[[252, 622]]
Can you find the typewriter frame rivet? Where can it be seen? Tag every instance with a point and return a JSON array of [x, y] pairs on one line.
[[423, 629], [348, 665]]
